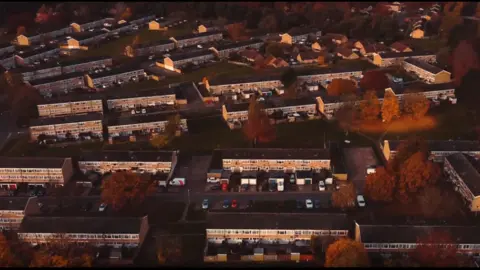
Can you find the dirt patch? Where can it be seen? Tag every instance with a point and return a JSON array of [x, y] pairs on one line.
[[402, 125]]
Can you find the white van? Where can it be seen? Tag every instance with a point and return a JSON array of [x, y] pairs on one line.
[[178, 182]]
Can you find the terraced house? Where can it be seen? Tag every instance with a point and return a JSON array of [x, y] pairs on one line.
[[97, 231], [109, 77], [462, 172], [59, 84], [39, 72], [35, 171], [438, 149], [30, 56], [297, 34], [12, 211], [393, 58], [194, 39], [328, 74], [179, 60], [139, 161], [153, 47], [427, 72], [274, 159], [223, 51], [31, 38], [86, 64], [6, 47], [139, 125], [81, 26], [76, 126], [83, 39], [70, 105], [238, 85], [267, 229], [381, 238], [127, 100]]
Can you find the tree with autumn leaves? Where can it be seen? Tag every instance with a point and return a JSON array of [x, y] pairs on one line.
[[370, 106], [380, 186], [340, 87], [346, 253], [258, 127], [415, 105], [344, 197], [390, 107], [123, 189], [436, 249], [374, 80]]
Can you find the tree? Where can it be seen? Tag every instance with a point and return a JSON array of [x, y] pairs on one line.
[[126, 188], [405, 150], [21, 30], [269, 23], [289, 79], [258, 127], [380, 186], [344, 197], [172, 125], [415, 173], [390, 107], [237, 31], [159, 141], [8, 257], [376, 80], [465, 58], [415, 105], [370, 106], [43, 259], [340, 87], [436, 249], [319, 245], [346, 253], [169, 249], [274, 49]]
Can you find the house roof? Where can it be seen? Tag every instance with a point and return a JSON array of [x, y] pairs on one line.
[[115, 71], [86, 35], [56, 78], [237, 107], [423, 65], [280, 102], [329, 70], [239, 44], [67, 119], [95, 225], [346, 52], [312, 221], [275, 153], [298, 31], [309, 55], [153, 44], [189, 55], [164, 156], [147, 93], [5, 45], [410, 233], [375, 48], [387, 55], [145, 118], [13, 203], [466, 170], [190, 36], [25, 69], [73, 62], [399, 46], [335, 36], [32, 52], [31, 162], [244, 79], [424, 87], [444, 146], [72, 97]]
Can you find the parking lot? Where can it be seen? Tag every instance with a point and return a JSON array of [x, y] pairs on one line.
[[256, 204]]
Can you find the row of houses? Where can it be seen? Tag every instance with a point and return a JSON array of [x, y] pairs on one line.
[[70, 81], [74, 104], [64, 67], [91, 126]]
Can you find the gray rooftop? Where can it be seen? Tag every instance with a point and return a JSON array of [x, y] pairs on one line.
[[31, 162], [467, 172], [97, 225], [147, 156], [387, 55], [57, 78], [190, 36], [244, 79], [115, 71], [189, 55], [423, 65], [275, 153], [13, 203], [67, 119], [292, 221], [444, 146]]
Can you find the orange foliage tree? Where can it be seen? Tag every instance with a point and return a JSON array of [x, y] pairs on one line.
[[340, 87], [21, 30], [169, 249], [415, 105], [380, 186], [126, 188], [346, 253], [405, 150], [436, 249], [258, 127], [370, 106], [390, 107], [344, 197], [8, 257], [376, 80], [415, 173], [236, 31]]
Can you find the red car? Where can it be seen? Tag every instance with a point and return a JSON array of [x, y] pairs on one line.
[[224, 187], [234, 203]]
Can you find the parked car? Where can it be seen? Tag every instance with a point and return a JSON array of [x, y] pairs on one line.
[[205, 204], [360, 201], [213, 180], [317, 204], [234, 204], [321, 185], [102, 207], [224, 187], [226, 204], [308, 204], [216, 187]]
